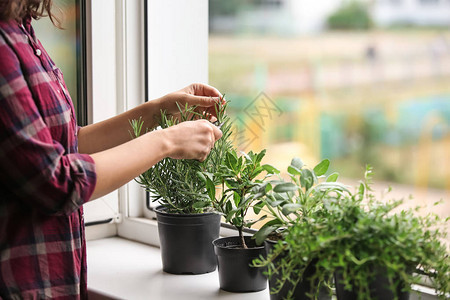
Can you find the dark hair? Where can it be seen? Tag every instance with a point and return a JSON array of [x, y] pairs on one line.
[[18, 9]]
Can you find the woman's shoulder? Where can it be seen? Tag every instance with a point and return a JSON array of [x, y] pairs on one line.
[[11, 34], [9, 26]]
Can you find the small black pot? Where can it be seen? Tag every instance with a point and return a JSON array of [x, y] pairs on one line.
[[379, 288], [235, 272], [302, 288], [186, 241]]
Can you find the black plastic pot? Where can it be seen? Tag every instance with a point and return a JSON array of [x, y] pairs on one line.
[[301, 289], [379, 288], [235, 272], [186, 241]]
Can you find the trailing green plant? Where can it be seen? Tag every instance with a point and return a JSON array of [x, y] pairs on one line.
[[359, 236], [175, 183], [288, 203], [292, 200], [242, 187]]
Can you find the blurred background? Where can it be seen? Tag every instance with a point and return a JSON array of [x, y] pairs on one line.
[[357, 82], [63, 46]]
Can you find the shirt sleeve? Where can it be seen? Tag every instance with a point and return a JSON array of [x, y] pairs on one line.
[[34, 168]]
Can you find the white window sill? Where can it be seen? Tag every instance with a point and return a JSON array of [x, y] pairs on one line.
[[124, 269]]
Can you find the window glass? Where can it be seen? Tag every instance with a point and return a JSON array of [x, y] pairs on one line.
[[341, 80], [66, 49]]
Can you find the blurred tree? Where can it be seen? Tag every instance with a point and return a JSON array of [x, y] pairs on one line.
[[227, 8], [351, 16]]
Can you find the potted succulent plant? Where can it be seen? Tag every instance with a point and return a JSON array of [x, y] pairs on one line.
[[368, 248], [187, 222], [288, 203], [241, 188]]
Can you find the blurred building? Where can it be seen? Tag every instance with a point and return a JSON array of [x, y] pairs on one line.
[[283, 17], [412, 12], [291, 17]]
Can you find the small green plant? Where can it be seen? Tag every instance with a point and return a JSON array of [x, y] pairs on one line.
[[241, 186], [175, 183], [359, 237], [292, 200]]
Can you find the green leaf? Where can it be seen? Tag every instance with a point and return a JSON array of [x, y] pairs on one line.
[[260, 156], [327, 186], [285, 187], [250, 223], [270, 169], [333, 177], [228, 208], [273, 222], [281, 197], [211, 188], [294, 171], [231, 161], [201, 176], [361, 190], [239, 164], [263, 233], [237, 221], [200, 204], [236, 198], [229, 215], [307, 179], [257, 207], [322, 167], [297, 163], [290, 208], [256, 172], [276, 203]]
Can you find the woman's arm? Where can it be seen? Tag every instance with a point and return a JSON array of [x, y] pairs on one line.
[[115, 131], [116, 166]]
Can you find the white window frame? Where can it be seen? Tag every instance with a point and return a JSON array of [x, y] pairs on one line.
[[115, 84], [117, 57], [169, 67]]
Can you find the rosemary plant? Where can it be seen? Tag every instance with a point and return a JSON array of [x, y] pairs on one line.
[[177, 184]]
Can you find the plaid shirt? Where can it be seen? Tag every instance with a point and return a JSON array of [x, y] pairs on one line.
[[43, 180]]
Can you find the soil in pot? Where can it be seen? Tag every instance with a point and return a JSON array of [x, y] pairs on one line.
[[235, 272], [301, 289], [186, 241], [379, 288]]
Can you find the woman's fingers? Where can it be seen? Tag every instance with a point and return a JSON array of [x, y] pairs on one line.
[[217, 132], [201, 101], [200, 89], [192, 139]]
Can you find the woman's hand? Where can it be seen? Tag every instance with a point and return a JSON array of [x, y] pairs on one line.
[[201, 95], [191, 139]]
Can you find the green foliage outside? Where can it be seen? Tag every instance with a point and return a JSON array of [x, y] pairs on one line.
[[351, 15]]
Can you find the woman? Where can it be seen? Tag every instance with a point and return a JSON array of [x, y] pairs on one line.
[[49, 167]]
